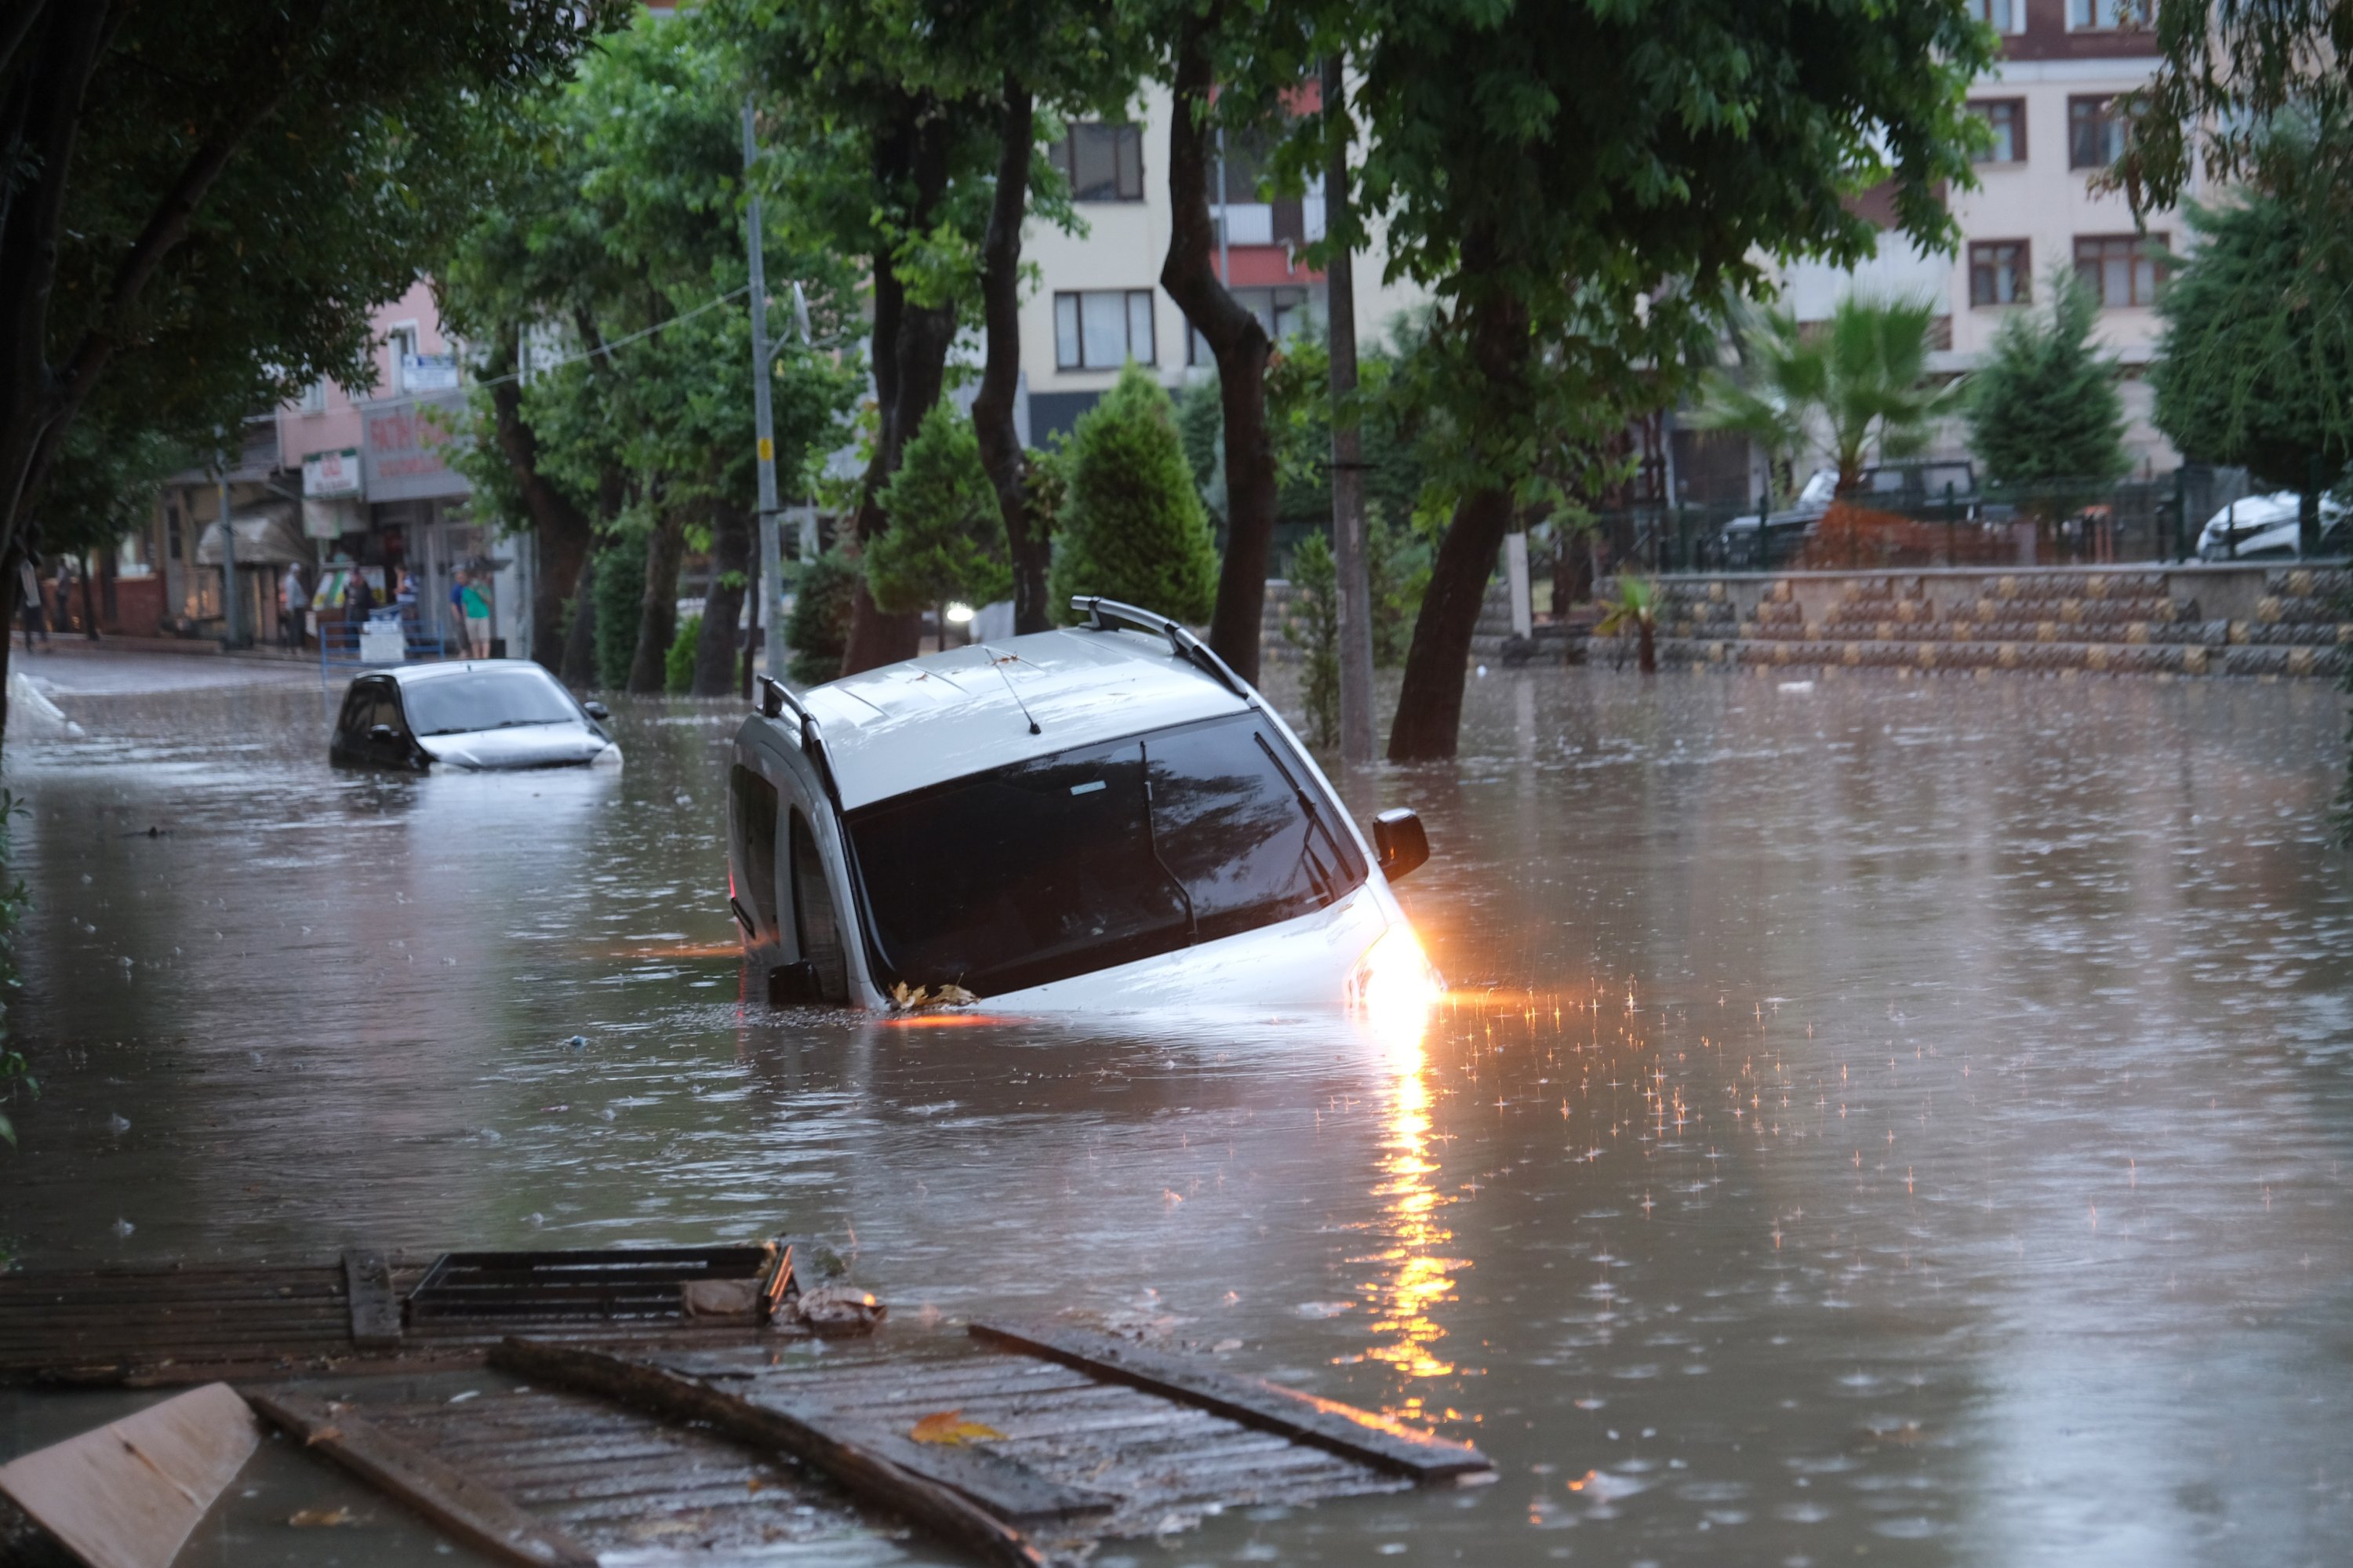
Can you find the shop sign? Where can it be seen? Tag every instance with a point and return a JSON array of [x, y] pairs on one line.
[[332, 473], [403, 456], [428, 372]]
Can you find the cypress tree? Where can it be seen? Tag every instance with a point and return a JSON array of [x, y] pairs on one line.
[[817, 629], [1132, 524], [946, 538], [2044, 410]]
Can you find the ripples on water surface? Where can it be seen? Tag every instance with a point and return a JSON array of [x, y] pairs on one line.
[[1901, 1121]]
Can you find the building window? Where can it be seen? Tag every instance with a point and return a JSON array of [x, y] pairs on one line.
[[2096, 134], [1102, 163], [2001, 16], [1102, 330], [2000, 273], [314, 397], [1282, 312], [2103, 15], [2122, 268], [398, 344], [172, 533], [2006, 117]]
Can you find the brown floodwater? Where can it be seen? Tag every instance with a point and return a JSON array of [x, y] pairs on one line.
[[1902, 1122]]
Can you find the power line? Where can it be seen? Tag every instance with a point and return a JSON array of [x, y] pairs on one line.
[[607, 347]]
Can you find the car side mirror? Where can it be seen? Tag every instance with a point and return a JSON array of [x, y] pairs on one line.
[[597, 710], [383, 732], [1403, 844]]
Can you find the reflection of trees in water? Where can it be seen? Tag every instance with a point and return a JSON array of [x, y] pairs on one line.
[[1417, 1271]]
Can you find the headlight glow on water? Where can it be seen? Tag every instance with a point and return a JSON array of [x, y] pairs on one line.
[[1394, 986]]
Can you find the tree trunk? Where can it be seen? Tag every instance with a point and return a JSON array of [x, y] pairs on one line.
[[1352, 571], [580, 637], [1237, 339], [915, 340], [1430, 704], [1027, 539], [1645, 637], [562, 529], [730, 563], [658, 608]]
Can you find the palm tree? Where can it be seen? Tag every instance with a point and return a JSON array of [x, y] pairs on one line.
[[1859, 383], [1635, 608]]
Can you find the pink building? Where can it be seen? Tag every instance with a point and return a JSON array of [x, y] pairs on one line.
[[340, 479]]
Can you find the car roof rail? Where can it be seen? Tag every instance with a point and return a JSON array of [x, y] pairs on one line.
[[1109, 614], [774, 698]]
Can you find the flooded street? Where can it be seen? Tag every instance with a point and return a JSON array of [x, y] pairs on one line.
[[1894, 1121]]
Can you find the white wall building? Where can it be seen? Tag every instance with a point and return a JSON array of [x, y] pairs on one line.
[[1100, 303], [2047, 103]]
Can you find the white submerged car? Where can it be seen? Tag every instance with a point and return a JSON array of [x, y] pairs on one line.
[[1099, 817]]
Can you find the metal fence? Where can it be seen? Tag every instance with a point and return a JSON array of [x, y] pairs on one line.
[[2156, 518]]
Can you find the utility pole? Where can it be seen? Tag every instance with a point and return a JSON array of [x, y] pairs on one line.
[[771, 588], [232, 634], [1349, 556]]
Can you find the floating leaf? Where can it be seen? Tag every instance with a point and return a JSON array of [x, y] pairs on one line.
[[320, 1517], [949, 1426]]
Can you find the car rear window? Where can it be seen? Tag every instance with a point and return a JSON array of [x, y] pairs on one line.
[[486, 699], [1097, 856]]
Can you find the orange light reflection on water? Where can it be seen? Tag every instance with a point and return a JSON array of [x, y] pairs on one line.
[[1418, 1272]]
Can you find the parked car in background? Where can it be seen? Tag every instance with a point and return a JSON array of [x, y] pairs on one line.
[[2255, 526], [1099, 818], [1923, 491], [479, 714]]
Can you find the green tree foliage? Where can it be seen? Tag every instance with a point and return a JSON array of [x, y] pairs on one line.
[[206, 202], [818, 627], [1132, 526], [678, 665], [946, 538], [1576, 185], [1310, 623], [1397, 562], [620, 589], [105, 483], [2255, 366], [2229, 77], [616, 247], [2044, 413], [1857, 388]]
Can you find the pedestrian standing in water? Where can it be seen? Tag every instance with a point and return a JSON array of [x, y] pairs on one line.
[[28, 594], [473, 609], [359, 596], [62, 617], [292, 603]]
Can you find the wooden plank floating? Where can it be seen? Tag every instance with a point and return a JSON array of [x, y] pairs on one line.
[[1341, 1428], [483, 1518], [367, 1310], [129, 1494], [926, 1503]]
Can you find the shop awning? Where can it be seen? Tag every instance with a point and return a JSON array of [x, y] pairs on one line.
[[266, 536]]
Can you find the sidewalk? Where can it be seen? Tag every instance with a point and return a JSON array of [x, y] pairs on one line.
[[75, 666]]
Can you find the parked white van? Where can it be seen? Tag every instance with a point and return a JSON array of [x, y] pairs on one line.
[[1102, 818]]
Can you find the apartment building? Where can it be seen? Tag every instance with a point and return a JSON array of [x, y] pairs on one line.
[[2048, 104], [1100, 303], [339, 477]]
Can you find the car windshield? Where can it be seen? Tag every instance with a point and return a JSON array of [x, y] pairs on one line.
[[486, 699], [1819, 488], [1097, 856]]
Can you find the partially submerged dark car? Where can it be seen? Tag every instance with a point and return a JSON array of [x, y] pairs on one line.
[[480, 713]]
